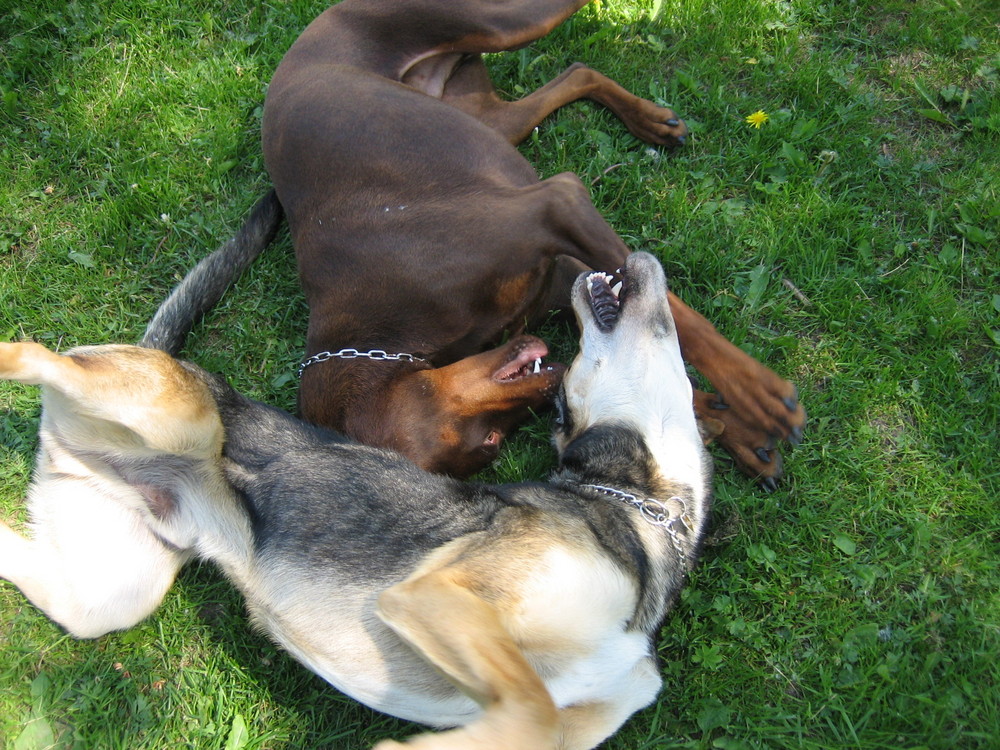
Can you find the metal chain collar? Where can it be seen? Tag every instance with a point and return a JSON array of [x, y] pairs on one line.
[[379, 355], [656, 512]]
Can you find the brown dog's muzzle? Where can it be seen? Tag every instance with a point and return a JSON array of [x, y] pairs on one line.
[[508, 378], [470, 406]]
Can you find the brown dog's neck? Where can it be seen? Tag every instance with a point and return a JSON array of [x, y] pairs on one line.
[[400, 406], [344, 393], [375, 402]]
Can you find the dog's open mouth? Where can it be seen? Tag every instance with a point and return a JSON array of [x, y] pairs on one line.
[[606, 299], [525, 362]]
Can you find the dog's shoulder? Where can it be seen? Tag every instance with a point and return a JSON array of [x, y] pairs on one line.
[[613, 455]]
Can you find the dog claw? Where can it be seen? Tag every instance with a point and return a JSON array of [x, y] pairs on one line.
[[796, 435], [681, 139], [791, 403], [720, 405], [673, 122], [769, 484], [763, 456]]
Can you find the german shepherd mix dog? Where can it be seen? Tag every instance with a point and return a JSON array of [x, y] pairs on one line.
[[522, 614]]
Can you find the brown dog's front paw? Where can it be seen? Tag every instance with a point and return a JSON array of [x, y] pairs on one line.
[[764, 465], [752, 447], [764, 402]]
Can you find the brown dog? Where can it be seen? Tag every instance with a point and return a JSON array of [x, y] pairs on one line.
[[423, 236]]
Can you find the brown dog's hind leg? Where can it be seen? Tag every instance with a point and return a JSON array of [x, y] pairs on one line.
[[495, 27], [462, 635], [471, 90]]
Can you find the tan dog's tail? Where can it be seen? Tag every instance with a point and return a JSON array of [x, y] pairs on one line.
[[205, 284]]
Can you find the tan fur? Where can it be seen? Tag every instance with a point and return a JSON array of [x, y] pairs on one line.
[[100, 560], [494, 613], [528, 624], [94, 562]]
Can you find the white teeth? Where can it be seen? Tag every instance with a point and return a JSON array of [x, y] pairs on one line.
[[617, 288], [593, 277], [538, 367]]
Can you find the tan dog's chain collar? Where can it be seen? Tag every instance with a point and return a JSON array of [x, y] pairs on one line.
[[379, 355], [657, 512]]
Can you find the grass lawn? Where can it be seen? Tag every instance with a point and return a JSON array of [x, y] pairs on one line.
[[851, 242]]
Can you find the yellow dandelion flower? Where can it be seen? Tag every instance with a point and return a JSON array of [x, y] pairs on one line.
[[757, 119]]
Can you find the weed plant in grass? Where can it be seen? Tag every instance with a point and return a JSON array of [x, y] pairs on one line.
[[850, 242]]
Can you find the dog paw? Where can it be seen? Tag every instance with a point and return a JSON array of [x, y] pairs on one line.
[[753, 446], [656, 125], [757, 396]]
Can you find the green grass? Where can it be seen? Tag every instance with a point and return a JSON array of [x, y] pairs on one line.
[[851, 243]]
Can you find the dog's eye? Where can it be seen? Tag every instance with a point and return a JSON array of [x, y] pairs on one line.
[[562, 417], [492, 441]]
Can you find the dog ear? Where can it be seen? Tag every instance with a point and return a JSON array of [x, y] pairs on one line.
[[609, 452]]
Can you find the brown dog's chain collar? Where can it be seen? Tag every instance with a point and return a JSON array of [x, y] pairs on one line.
[[657, 512], [379, 355]]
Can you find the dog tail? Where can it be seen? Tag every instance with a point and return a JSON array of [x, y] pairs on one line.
[[205, 284]]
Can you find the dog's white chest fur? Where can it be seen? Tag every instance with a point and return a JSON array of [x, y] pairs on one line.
[[583, 653]]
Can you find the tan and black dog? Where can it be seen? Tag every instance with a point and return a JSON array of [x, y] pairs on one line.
[[424, 237], [521, 615]]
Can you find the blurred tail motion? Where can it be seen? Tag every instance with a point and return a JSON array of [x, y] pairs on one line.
[[205, 284]]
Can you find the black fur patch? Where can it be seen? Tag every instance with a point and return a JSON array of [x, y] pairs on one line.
[[563, 420], [612, 454], [334, 505]]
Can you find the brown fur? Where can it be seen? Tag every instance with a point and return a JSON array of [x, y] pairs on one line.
[[523, 614], [419, 228]]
